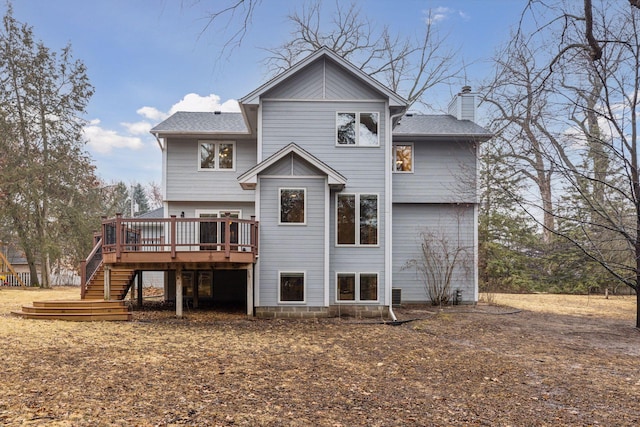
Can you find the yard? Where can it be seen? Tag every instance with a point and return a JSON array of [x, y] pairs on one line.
[[485, 365]]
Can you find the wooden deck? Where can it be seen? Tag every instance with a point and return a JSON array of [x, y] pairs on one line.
[[139, 244]]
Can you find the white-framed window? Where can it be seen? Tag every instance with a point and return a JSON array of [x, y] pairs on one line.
[[356, 287], [403, 157], [292, 287], [293, 206], [216, 155], [356, 219], [357, 129], [212, 233]]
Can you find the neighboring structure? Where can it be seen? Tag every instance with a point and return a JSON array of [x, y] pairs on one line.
[[342, 182]]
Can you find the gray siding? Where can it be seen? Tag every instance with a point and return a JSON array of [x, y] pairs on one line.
[[291, 165], [444, 172], [363, 259], [190, 208], [185, 183], [454, 223], [312, 126], [292, 248], [323, 79]]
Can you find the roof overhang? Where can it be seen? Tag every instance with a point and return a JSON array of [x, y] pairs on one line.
[[249, 179], [253, 98]]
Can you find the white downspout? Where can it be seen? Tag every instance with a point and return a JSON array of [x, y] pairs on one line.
[[389, 215]]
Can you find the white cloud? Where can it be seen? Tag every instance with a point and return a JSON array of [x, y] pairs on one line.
[[442, 13], [195, 102], [138, 128], [103, 141], [438, 14], [152, 113]]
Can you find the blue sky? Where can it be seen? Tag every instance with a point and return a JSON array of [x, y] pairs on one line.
[[149, 58]]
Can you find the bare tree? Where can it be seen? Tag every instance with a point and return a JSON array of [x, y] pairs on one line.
[[408, 65], [591, 84], [439, 259]]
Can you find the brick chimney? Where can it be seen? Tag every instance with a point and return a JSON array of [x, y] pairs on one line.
[[463, 105]]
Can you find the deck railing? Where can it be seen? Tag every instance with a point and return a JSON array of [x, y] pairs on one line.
[[174, 234], [90, 266]]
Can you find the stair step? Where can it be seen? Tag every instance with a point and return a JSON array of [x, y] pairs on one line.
[[76, 310], [75, 317], [86, 303]]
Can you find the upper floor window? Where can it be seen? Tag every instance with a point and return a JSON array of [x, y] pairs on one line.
[[216, 155], [357, 219], [292, 206], [358, 129], [403, 157]]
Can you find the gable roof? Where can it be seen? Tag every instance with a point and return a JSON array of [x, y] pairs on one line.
[[186, 122], [156, 213], [439, 126], [249, 179], [395, 100]]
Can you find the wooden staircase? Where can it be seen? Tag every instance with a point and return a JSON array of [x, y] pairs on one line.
[[92, 306], [80, 310], [121, 279]]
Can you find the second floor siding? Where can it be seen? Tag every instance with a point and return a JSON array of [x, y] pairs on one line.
[[312, 126], [187, 181], [442, 172]]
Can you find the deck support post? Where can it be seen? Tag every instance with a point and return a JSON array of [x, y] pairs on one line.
[[140, 288], [250, 290], [107, 282], [179, 292]]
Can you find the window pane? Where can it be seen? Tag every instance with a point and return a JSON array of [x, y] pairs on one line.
[[225, 156], [368, 287], [346, 219], [207, 155], [346, 287], [368, 219], [292, 205], [404, 158], [205, 284], [346, 128], [292, 287], [368, 129]]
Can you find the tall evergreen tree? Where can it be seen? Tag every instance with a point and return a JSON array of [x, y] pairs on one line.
[[47, 178]]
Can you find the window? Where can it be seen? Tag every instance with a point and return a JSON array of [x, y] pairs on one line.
[[215, 155], [403, 157], [357, 287], [359, 129], [291, 287], [293, 206], [357, 219]]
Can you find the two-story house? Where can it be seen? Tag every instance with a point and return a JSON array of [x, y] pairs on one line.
[[312, 201]]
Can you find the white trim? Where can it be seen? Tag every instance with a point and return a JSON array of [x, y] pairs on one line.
[[250, 178], [357, 243], [216, 144], [356, 292], [293, 177], [327, 242], [259, 133], [304, 191], [333, 101], [304, 287], [219, 214], [357, 131], [393, 156], [256, 275]]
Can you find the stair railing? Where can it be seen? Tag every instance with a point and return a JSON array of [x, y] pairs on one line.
[[90, 266]]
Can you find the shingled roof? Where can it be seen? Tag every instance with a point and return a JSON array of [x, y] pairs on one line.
[[184, 122], [442, 125]]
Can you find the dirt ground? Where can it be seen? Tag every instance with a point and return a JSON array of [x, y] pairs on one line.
[[482, 365]]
